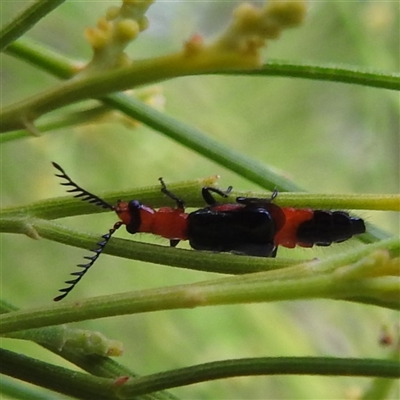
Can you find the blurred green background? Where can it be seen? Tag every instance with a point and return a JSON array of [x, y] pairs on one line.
[[327, 137]]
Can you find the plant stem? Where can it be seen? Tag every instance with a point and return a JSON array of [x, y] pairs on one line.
[[196, 140], [166, 67], [62, 380], [190, 191], [163, 255], [333, 73], [262, 366], [25, 20], [42, 57], [306, 281], [94, 364]]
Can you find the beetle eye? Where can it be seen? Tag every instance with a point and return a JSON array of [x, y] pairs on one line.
[[134, 205]]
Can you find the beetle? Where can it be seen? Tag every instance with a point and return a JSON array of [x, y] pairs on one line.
[[250, 226]]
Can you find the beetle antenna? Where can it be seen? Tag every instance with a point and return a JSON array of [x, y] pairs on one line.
[[83, 194], [92, 259]]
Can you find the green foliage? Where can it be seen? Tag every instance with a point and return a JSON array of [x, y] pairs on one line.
[[230, 116]]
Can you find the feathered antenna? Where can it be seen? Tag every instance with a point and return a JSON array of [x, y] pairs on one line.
[[91, 198], [83, 194], [79, 274]]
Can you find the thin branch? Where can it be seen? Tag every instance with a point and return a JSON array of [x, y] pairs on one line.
[[190, 191], [329, 73], [321, 366], [42, 57], [62, 380], [25, 20], [347, 277], [87, 387], [175, 65], [94, 364]]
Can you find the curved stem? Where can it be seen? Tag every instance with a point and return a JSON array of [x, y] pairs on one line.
[[330, 72], [94, 364], [62, 207], [62, 380], [162, 255], [304, 281], [100, 84], [166, 67], [321, 366], [87, 387]]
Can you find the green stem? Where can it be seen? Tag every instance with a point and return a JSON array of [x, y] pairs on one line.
[[312, 280], [94, 364], [19, 219], [330, 73], [42, 57], [87, 387], [25, 20], [190, 191], [14, 389], [59, 122], [162, 255], [380, 387], [148, 71], [322, 366], [67, 206], [100, 84], [184, 296], [201, 143], [62, 380]]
